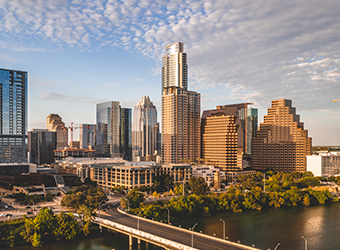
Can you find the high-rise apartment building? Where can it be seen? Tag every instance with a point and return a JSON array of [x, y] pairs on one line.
[[180, 109], [55, 123], [87, 135], [144, 129], [113, 137], [174, 67], [248, 119], [222, 138], [13, 115], [281, 143], [41, 145]]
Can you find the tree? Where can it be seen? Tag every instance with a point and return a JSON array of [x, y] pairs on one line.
[[66, 228], [163, 182], [36, 240], [86, 213], [135, 198], [198, 185]]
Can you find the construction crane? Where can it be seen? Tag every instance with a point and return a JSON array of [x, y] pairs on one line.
[[71, 128], [336, 100]]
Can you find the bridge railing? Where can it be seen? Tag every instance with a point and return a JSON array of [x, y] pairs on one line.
[[143, 235]]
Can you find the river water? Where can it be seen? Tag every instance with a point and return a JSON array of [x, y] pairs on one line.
[[320, 225]]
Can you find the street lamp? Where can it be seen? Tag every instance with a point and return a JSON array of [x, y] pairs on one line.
[[278, 244], [223, 228], [192, 235], [168, 214], [305, 242], [138, 218]]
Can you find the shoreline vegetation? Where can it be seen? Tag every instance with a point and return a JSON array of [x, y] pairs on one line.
[[281, 190], [47, 227]]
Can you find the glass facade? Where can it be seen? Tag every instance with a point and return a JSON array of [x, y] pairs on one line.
[[41, 146], [87, 133], [113, 137], [144, 129], [13, 115]]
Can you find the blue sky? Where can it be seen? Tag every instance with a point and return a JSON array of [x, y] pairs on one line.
[[79, 53]]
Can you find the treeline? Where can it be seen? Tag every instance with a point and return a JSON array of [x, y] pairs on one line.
[[45, 227], [282, 189], [234, 199]]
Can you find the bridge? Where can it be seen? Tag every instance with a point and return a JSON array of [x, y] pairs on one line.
[[167, 236]]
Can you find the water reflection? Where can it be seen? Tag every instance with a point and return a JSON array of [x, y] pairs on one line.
[[320, 225]]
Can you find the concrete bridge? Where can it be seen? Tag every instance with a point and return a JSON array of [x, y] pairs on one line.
[[164, 235]]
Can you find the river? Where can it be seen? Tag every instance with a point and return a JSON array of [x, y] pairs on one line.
[[320, 225]]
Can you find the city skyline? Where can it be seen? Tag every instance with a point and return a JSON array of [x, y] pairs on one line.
[[81, 54]]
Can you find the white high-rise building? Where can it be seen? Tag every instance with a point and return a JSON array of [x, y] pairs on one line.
[[174, 67], [144, 129]]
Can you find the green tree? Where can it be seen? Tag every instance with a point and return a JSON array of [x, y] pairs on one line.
[[135, 198], [66, 228], [198, 185], [36, 240], [163, 183], [86, 213]]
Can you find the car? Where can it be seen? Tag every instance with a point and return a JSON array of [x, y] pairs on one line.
[[9, 215], [28, 207], [2, 215], [29, 212], [38, 206]]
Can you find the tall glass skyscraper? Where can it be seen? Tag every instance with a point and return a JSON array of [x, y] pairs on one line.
[[113, 137], [13, 115], [144, 129], [86, 135]]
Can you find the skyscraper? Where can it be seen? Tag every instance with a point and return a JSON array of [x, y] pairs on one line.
[[41, 145], [55, 123], [248, 119], [86, 135], [144, 129], [221, 138], [13, 115], [180, 109], [174, 67], [281, 143], [113, 130]]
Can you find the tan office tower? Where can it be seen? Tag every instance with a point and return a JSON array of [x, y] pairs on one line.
[[180, 125], [181, 109], [222, 138], [54, 123], [281, 143]]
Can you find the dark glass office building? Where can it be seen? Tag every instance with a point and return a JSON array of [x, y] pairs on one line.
[[41, 146], [113, 137], [13, 115]]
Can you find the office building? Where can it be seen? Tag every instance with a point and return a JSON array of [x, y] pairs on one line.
[[13, 115], [113, 136], [87, 135], [281, 143], [174, 67], [324, 164], [55, 123], [248, 119], [208, 174], [125, 144], [41, 145], [180, 109], [144, 129], [222, 138]]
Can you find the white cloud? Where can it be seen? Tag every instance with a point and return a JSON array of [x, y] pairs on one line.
[[53, 96]]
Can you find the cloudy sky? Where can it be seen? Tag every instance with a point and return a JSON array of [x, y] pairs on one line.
[[79, 53]]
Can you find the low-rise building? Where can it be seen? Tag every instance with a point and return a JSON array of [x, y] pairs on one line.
[[324, 164], [208, 173]]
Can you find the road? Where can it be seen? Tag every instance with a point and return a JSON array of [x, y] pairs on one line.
[[171, 232]]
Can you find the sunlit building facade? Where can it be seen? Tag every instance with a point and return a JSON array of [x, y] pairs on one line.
[[222, 138], [144, 129], [13, 115], [180, 109], [281, 143], [55, 123]]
